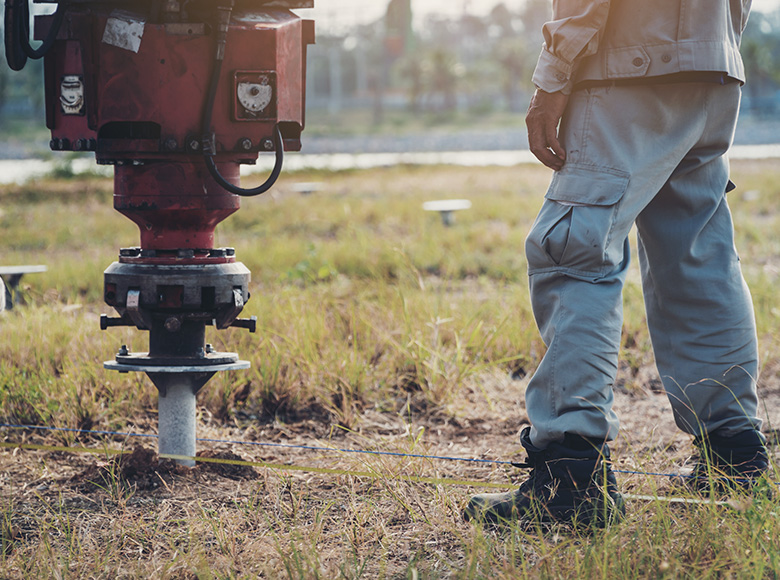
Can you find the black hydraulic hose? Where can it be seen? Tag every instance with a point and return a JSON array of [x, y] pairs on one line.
[[262, 188], [24, 36], [14, 53], [209, 142], [17, 33]]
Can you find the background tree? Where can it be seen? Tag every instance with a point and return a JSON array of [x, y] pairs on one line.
[[445, 70], [411, 71], [513, 55], [761, 55]]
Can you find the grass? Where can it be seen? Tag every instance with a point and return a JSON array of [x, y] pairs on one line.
[[378, 328], [362, 121]]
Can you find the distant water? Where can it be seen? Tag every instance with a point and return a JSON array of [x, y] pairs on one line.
[[21, 170]]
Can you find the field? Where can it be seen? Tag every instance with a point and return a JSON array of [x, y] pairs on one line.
[[379, 329]]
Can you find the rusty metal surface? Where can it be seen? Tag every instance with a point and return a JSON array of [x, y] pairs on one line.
[[176, 205], [145, 83]]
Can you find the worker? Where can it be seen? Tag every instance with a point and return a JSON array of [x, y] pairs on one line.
[[635, 109]]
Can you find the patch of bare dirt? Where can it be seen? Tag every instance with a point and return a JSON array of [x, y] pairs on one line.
[[140, 469]]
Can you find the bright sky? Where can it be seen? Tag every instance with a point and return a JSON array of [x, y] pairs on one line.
[[343, 14]]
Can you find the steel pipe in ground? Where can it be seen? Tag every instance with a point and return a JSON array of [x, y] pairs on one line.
[[176, 420]]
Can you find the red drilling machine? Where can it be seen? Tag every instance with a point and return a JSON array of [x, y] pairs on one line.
[[176, 95]]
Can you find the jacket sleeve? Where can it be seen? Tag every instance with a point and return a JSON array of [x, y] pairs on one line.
[[573, 33]]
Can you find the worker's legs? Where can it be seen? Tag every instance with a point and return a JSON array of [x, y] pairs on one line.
[[623, 144], [699, 309]]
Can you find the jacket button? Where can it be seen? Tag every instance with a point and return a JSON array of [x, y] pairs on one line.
[[560, 76], [667, 58], [638, 61]]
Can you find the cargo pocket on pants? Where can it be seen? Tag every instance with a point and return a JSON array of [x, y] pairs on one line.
[[573, 228]]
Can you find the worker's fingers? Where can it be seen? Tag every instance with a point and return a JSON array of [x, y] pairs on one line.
[[544, 114], [544, 144]]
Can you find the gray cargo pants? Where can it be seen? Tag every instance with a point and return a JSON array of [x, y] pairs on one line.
[[653, 155]]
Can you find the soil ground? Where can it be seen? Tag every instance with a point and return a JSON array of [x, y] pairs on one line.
[[649, 442]]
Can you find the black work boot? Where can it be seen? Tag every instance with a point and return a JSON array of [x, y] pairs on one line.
[[725, 463], [570, 482]]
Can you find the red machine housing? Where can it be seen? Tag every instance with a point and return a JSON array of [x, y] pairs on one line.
[[148, 102], [133, 90]]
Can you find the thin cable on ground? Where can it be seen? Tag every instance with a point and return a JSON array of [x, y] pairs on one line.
[[266, 444], [347, 472], [263, 465], [291, 446]]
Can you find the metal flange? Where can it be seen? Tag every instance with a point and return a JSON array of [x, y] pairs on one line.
[[113, 365]]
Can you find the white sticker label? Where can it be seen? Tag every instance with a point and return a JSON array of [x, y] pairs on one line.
[[124, 30]]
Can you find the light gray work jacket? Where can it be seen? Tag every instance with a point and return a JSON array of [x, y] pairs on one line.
[[589, 40]]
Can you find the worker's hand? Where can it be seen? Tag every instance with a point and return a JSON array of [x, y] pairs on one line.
[[544, 114]]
